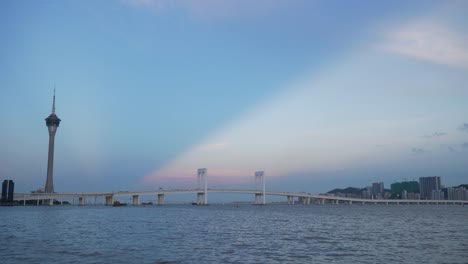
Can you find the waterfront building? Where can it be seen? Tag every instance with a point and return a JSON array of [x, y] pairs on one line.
[[387, 195], [409, 186], [4, 190], [378, 189], [52, 122], [427, 185], [459, 193], [450, 193], [367, 193], [437, 195], [11, 191], [404, 195], [8, 191], [413, 196]]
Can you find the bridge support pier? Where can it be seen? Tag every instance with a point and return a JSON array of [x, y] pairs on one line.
[[201, 198], [322, 201], [259, 198], [50, 201], [136, 200], [160, 198], [94, 202], [37, 202], [109, 200], [304, 200], [290, 199], [81, 201], [350, 202]]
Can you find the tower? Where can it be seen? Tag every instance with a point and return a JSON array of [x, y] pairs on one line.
[[52, 122]]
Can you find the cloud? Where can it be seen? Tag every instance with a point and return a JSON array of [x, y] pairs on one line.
[[418, 150], [463, 127], [210, 9], [300, 129], [435, 134], [428, 42], [464, 145], [213, 146], [452, 149]]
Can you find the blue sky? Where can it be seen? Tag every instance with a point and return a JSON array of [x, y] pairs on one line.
[[318, 94]]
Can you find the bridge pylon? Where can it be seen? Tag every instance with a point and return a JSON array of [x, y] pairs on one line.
[[202, 194], [260, 187]]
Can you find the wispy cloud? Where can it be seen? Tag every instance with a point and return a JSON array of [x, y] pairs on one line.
[[435, 135], [428, 42], [451, 149], [418, 150], [211, 9], [463, 127]]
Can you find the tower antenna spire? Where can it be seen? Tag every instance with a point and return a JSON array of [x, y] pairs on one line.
[[53, 103]]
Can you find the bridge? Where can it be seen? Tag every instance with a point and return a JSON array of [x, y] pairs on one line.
[[292, 198], [202, 191]]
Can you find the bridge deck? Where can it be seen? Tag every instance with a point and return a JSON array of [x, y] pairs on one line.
[[46, 196]]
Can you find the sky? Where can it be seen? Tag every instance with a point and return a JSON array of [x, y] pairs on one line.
[[318, 94]]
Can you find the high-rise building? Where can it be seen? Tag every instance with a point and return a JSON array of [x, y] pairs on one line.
[[8, 192], [377, 188], [4, 190], [11, 191], [52, 122], [437, 195], [398, 187], [459, 193], [427, 185]]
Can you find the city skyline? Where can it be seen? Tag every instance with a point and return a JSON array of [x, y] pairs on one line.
[[153, 90]]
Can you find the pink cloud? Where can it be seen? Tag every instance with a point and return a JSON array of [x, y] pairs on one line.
[[179, 178], [213, 146]]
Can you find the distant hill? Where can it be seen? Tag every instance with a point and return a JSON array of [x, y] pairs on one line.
[[349, 190], [462, 185]]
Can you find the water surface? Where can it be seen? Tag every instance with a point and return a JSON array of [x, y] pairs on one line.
[[235, 234]]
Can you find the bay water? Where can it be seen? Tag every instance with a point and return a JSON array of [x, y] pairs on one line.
[[235, 234]]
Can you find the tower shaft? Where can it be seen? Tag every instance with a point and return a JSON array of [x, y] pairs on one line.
[[49, 186]]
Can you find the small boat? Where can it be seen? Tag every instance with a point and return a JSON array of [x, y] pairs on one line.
[[117, 204]]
